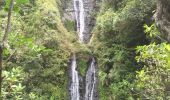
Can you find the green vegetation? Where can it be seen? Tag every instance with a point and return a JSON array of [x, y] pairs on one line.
[[133, 58]]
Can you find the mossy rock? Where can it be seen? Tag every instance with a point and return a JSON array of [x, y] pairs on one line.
[[83, 62]]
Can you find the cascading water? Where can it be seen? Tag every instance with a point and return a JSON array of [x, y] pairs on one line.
[[80, 18], [91, 81], [86, 85], [74, 88]]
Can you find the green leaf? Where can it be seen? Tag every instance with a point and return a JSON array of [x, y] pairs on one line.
[[6, 52]]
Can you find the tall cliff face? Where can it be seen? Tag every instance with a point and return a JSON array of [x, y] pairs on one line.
[[67, 10]]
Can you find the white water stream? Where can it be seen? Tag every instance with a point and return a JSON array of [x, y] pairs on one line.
[[80, 18], [90, 81], [75, 95]]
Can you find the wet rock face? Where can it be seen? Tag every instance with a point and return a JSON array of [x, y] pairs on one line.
[[91, 78], [82, 86], [67, 10], [89, 11]]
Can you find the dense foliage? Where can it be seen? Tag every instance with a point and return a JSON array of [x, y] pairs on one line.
[[133, 58]]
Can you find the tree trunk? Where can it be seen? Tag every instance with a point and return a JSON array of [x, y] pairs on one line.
[[1, 51], [4, 41], [162, 18], [8, 22]]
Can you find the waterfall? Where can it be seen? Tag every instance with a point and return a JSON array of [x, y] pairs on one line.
[[91, 81], [75, 95], [86, 84], [80, 18]]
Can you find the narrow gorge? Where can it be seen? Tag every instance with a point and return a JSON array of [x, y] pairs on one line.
[[84, 25]]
